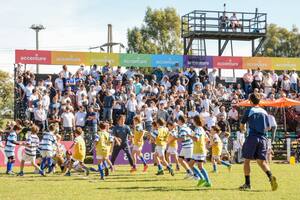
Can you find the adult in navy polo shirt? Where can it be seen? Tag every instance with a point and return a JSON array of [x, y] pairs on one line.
[[91, 122], [122, 131], [255, 146]]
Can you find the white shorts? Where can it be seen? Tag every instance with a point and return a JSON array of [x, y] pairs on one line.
[[160, 151], [186, 153], [9, 154], [48, 154], [99, 157], [172, 150], [28, 158], [136, 148], [216, 157], [199, 157]]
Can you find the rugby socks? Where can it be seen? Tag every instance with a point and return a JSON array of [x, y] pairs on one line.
[[189, 171], [169, 167], [227, 164], [197, 173], [215, 167], [43, 164], [9, 166], [134, 166], [49, 163], [143, 160], [247, 180], [205, 175], [269, 174], [105, 164], [159, 166], [100, 168]]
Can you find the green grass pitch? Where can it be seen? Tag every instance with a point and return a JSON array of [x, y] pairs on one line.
[[123, 185]]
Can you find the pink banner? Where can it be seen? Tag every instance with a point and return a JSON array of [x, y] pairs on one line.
[[33, 57], [19, 151], [227, 62]]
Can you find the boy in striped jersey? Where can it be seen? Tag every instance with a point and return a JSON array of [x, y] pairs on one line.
[[138, 141], [199, 152], [186, 152], [46, 148], [31, 146], [10, 148], [172, 144], [160, 137]]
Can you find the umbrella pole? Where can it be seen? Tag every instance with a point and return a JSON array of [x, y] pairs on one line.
[[284, 119]]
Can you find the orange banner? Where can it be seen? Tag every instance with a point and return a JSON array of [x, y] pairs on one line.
[[68, 58], [257, 62], [286, 63]]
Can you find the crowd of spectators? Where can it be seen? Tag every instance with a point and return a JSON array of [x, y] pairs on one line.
[[94, 94]]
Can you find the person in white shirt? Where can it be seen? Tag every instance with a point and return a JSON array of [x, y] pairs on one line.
[[211, 121], [268, 83], [180, 88], [68, 122], [59, 84], [212, 77], [234, 22], [240, 138], [92, 93], [205, 103], [294, 80], [149, 114], [165, 82], [204, 115], [192, 113], [28, 89], [40, 117], [80, 94], [273, 125], [177, 112], [80, 117], [131, 106]]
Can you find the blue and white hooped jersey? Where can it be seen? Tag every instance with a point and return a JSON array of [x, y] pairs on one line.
[[154, 133], [47, 142], [33, 143], [10, 143], [183, 133]]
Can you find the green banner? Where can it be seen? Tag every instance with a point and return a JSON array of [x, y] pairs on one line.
[[135, 60]]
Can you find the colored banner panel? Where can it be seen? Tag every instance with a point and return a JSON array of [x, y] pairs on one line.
[[286, 63], [263, 63], [20, 151], [102, 58], [135, 60], [33, 57], [68, 58], [198, 61], [227, 62], [174, 61]]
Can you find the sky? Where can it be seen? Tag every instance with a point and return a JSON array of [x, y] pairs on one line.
[[76, 25]]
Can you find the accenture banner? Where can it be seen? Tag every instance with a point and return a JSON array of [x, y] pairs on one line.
[[153, 60]]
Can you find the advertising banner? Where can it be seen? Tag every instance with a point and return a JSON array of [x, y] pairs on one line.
[[173, 61], [68, 58], [263, 63], [286, 63], [19, 152], [33, 57], [227, 62], [198, 61], [135, 60], [102, 58]]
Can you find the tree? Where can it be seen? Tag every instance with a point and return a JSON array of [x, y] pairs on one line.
[[160, 33], [281, 42], [6, 94]]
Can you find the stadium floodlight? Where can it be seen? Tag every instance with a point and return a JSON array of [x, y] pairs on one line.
[[37, 28]]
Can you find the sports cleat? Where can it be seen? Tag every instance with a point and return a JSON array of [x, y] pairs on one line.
[[177, 168], [106, 172], [87, 172], [207, 184], [145, 168], [274, 184], [201, 183], [20, 174], [229, 168], [68, 174], [188, 176], [160, 172], [102, 178], [10, 173], [171, 172], [133, 170], [42, 173], [245, 187]]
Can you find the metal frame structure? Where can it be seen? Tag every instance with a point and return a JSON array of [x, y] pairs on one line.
[[216, 25]]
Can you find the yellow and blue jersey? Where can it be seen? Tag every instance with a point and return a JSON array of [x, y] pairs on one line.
[[138, 134], [217, 145], [199, 146], [162, 136]]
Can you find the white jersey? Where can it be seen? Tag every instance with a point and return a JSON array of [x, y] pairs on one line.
[[33, 143], [10, 144]]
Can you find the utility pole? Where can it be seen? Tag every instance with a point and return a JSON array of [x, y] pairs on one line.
[[37, 28]]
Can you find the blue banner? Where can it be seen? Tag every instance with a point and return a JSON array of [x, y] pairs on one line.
[[173, 61]]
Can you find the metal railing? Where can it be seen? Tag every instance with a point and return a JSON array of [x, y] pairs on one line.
[[200, 21]]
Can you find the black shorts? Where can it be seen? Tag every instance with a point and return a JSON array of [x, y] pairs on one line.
[[255, 148]]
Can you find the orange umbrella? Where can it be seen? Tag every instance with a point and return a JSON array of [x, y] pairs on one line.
[[284, 102], [247, 103]]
